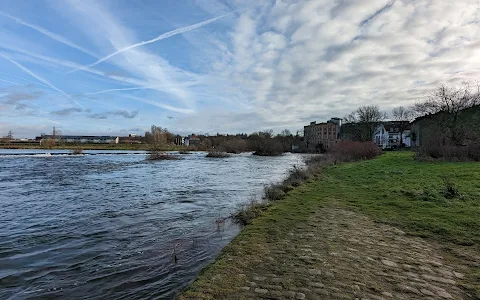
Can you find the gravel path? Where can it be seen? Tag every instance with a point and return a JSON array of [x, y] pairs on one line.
[[337, 254]]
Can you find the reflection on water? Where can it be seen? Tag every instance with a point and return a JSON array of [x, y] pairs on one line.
[[109, 226]]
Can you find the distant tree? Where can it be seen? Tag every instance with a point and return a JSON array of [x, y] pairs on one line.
[[48, 143], [364, 119], [158, 138], [403, 115], [300, 133], [10, 135], [285, 133], [263, 143], [235, 145], [267, 133]]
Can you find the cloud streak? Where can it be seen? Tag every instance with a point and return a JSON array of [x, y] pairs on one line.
[[117, 90], [66, 111], [8, 81], [40, 79], [126, 114], [160, 105], [163, 36], [49, 34], [15, 97]]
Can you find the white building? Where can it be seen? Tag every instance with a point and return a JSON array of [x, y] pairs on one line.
[[392, 134]]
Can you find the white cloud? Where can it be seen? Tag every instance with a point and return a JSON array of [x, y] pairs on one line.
[[283, 63], [297, 60], [155, 71]]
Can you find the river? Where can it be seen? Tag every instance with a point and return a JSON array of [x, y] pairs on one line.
[[109, 224]]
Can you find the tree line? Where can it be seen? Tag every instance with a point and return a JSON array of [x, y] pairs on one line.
[[261, 143], [445, 102]]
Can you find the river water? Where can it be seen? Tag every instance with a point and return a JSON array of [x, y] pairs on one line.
[[108, 225]]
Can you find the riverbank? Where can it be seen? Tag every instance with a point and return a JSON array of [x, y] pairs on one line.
[[381, 229], [140, 147]]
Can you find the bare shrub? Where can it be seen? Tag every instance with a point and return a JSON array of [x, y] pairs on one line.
[[273, 193], [299, 173], [77, 151], [217, 154], [248, 212], [297, 176], [158, 155], [346, 151], [234, 146], [448, 152], [48, 143], [263, 144]]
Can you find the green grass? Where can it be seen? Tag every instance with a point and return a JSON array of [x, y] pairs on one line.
[[398, 190], [394, 188]]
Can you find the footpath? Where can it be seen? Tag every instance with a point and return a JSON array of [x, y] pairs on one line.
[[333, 254]]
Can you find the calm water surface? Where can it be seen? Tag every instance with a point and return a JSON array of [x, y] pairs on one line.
[[107, 226]]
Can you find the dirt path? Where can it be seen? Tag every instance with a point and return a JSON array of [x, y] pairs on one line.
[[336, 254]]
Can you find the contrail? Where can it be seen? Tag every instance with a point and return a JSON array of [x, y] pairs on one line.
[[114, 90], [10, 81], [158, 38], [164, 106], [24, 79], [41, 79], [51, 35]]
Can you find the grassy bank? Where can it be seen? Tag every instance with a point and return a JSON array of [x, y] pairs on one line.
[[413, 195], [139, 147], [394, 188]]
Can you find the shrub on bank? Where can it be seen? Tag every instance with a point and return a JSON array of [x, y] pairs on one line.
[[448, 152], [297, 176], [346, 151], [217, 154], [157, 155], [234, 146], [266, 147], [77, 151], [248, 212], [275, 192]]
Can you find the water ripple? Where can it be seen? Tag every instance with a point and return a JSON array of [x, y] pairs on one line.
[[109, 226]]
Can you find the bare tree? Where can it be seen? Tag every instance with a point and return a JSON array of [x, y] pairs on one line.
[[449, 99], [159, 137], [285, 133], [263, 143], [402, 114], [365, 119], [448, 103]]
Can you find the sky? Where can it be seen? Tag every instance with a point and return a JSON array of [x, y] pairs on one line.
[[116, 67]]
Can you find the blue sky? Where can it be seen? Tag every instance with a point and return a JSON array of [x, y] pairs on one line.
[[116, 67]]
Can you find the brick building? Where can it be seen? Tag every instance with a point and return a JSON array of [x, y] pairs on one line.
[[321, 136]]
